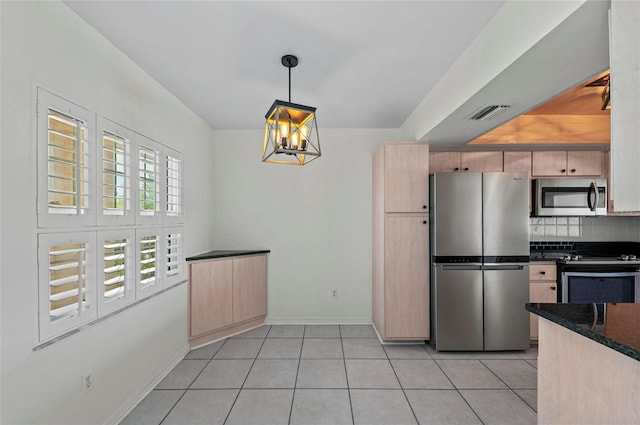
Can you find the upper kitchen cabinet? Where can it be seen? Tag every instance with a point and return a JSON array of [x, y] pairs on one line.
[[406, 177], [447, 161], [517, 162], [624, 59], [568, 163]]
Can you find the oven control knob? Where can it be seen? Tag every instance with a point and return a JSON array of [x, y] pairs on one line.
[[632, 257], [624, 258]]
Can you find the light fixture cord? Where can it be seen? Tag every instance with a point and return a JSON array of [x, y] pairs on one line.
[[289, 82]]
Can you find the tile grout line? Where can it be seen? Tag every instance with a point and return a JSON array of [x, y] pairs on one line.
[[401, 386], [457, 390], [295, 382], [346, 375], [513, 390], [235, 400], [192, 381]]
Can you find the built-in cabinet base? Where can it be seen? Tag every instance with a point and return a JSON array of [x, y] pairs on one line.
[[213, 336]]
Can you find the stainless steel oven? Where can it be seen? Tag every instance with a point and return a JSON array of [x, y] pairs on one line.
[[598, 287], [599, 281]]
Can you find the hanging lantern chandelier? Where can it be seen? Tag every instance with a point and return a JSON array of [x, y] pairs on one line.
[[291, 132]]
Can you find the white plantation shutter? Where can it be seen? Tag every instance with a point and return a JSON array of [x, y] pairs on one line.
[[66, 149], [173, 170], [67, 284], [122, 187], [114, 173], [174, 256], [116, 269], [149, 262], [150, 184]]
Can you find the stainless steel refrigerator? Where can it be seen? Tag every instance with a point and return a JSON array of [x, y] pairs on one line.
[[480, 256]]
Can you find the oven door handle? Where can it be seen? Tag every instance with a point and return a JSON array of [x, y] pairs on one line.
[[592, 189]]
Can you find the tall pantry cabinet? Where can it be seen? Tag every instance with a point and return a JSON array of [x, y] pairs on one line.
[[401, 241]]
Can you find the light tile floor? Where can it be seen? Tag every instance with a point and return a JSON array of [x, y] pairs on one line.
[[339, 374]]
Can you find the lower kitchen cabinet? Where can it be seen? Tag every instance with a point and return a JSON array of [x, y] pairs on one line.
[[226, 295], [542, 289], [401, 278]]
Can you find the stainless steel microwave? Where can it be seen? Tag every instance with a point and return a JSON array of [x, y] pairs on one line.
[[569, 197]]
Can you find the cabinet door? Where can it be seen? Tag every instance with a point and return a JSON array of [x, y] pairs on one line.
[[481, 161], [517, 162], [406, 177], [549, 163], [210, 295], [249, 287], [406, 292], [586, 163], [443, 162], [540, 292]]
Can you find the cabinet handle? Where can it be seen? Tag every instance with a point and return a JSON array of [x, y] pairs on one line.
[[553, 288], [424, 207], [564, 170], [543, 272], [424, 221], [456, 169], [466, 168], [573, 170]]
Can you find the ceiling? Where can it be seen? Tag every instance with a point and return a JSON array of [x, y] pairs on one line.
[[363, 64]]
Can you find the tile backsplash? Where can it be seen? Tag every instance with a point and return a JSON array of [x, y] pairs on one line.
[[585, 228]]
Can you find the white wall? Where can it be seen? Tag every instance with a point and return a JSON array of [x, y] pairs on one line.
[[316, 220], [587, 229], [47, 43]]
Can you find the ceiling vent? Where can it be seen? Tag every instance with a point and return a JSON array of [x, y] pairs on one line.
[[488, 112]]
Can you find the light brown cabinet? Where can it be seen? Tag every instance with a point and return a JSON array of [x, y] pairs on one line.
[[406, 277], [542, 289], [401, 241], [405, 187], [226, 295], [517, 162], [447, 161], [569, 163]]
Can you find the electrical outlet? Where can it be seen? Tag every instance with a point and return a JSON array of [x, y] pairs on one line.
[[334, 293], [87, 382]]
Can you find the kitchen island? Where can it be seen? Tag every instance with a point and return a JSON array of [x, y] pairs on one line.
[[588, 363]]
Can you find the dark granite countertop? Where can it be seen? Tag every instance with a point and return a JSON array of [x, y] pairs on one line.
[[218, 253], [615, 325]]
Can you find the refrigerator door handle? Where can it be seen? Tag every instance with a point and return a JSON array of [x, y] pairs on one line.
[[460, 266], [503, 266]]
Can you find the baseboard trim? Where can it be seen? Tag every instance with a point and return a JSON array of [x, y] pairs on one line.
[[121, 413]]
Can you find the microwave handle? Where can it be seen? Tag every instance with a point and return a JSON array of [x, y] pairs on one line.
[[592, 188]]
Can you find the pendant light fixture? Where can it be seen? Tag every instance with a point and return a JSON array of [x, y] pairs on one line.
[[291, 133]]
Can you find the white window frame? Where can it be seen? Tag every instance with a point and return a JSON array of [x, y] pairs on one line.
[[106, 306], [143, 291], [172, 217], [156, 216], [172, 279], [50, 329], [128, 216], [45, 102]]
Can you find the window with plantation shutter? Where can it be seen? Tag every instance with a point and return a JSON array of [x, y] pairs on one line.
[[149, 182], [114, 173], [106, 196], [173, 187], [67, 290], [65, 155], [116, 269], [174, 263], [150, 261]]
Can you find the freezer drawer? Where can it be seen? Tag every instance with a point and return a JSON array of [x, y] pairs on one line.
[[458, 308], [506, 322]]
